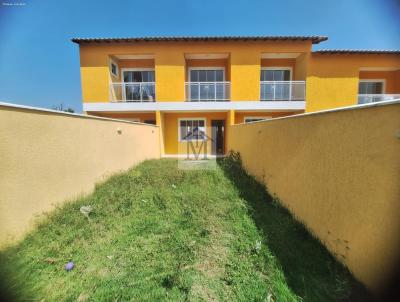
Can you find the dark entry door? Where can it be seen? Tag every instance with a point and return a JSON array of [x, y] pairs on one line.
[[218, 137]]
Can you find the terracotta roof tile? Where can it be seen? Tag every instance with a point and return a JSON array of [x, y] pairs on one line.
[[357, 51], [314, 39]]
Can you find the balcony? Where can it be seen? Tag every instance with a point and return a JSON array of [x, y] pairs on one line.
[[283, 90], [207, 91], [373, 98], [133, 92]]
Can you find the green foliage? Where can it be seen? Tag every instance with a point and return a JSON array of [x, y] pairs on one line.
[[63, 108], [157, 233]]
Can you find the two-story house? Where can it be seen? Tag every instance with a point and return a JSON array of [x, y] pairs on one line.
[[194, 88]]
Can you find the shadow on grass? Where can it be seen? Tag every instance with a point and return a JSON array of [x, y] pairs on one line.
[[310, 270]]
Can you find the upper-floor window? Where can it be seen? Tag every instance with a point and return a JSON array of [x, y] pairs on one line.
[[207, 84], [114, 68], [275, 84], [135, 75], [138, 84], [206, 75], [275, 74], [371, 87], [249, 119]]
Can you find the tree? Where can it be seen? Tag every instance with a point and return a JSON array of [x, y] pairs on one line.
[[63, 108]]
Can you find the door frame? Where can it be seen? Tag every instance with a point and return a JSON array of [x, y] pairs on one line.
[[214, 150]]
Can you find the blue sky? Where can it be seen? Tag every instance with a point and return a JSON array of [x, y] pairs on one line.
[[39, 65]]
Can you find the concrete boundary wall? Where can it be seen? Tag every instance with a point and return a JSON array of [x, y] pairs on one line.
[[339, 173], [48, 157]]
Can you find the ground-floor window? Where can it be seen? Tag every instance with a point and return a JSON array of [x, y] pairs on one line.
[[256, 118], [132, 119], [192, 129]]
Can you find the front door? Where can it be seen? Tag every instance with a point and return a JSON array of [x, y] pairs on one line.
[[218, 137]]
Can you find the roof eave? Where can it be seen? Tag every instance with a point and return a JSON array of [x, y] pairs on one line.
[[356, 51], [313, 39]]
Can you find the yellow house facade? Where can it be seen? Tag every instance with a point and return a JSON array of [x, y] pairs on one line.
[[194, 88]]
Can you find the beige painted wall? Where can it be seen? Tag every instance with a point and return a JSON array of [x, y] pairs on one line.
[[337, 172], [47, 158]]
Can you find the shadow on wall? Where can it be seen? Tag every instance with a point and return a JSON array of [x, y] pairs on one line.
[[310, 270]]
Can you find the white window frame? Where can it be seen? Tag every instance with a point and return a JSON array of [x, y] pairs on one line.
[[383, 81], [260, 118], [191, 119], [117, 68], [123, 70], [206, 68], [279, 68]]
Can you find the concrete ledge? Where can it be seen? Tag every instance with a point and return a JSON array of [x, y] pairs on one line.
[[11, 106], [195, 106]]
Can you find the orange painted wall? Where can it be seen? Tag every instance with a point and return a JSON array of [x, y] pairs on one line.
[[170, 65], [172, 145], [148, 63], [302, 60], [332, 80]]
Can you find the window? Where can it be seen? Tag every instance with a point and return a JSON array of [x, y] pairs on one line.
[[275, 74], [371, 87], [207, 84], [206, 75], [114, 68], [256, 118], [150, 122], [278, 86], [138, 76], [139, 84], [192, 129]]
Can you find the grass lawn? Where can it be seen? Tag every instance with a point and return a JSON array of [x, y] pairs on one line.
[[157, 233]]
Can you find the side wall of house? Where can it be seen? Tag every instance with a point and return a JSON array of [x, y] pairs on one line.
[[47, 158], [343, 185], [332, 80]]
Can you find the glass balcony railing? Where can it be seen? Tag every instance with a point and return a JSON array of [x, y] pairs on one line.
[[207, 91], [373, 98], [283, 90], [133, 92]]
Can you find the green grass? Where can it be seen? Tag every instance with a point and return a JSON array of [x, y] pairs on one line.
[[175, 235]]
